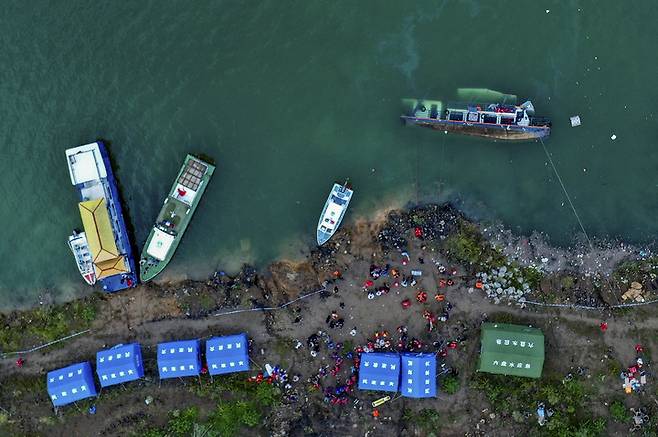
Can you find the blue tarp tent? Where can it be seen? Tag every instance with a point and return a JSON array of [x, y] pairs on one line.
[[379, 371], [179, 358], [227, 354], [122, 363], [71, 384], [418, 375]]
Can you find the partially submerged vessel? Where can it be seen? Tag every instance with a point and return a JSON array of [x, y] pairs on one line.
[[333, 212], [80, 248], [479, 112], [102, 217], [175, 215]]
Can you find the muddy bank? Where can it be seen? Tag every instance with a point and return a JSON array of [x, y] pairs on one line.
[[307, 337]]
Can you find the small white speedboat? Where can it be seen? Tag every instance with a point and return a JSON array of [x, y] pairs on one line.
[[333, 212], [80, 248]]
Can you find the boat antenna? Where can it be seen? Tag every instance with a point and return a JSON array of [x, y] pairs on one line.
[[345, 184]]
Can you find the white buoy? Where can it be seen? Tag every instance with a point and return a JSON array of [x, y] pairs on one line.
[[575, 120], [613, 137]]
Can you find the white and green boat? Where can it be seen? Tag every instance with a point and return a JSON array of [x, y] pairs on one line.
[[175, 215]]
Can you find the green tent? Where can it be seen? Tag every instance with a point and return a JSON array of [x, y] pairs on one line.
[[511, 350]]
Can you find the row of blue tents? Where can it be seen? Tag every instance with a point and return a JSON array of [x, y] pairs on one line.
[[414, 374], [123, 363]]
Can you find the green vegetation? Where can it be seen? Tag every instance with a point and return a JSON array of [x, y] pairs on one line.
[[450, 384], [426, 420], [468, 246], [566, 398], [639, 270], [41, 325], [619, 412], [181, 424], [240, 404]]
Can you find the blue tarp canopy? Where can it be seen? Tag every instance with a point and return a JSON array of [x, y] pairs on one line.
[[179, 358], [227, 354], [71, 384], [122, 363], [379, 371], [418, 375]]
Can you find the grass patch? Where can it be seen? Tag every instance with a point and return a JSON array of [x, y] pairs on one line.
[[45, 324], [508, 394], [427, 421], [619, 412], [450, 384]]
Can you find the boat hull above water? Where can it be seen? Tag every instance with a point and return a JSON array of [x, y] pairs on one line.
[[498, 132], [333, 212], [175, 216], [481, 113]]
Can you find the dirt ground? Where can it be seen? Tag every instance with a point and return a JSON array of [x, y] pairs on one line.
[[157, 313]]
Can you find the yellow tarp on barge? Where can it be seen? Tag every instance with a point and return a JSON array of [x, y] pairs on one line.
[[100, 238]]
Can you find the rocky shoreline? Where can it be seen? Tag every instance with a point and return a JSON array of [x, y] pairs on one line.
[[480, 270]]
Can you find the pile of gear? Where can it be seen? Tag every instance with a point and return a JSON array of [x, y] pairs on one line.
[[504, 283], [635, 377]]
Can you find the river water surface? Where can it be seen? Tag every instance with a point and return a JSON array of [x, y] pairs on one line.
[[288, 96]]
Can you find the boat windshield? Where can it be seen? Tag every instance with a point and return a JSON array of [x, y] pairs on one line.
[[338, 200]]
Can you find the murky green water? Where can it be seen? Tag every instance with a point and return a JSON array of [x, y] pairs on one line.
[[288, 96]]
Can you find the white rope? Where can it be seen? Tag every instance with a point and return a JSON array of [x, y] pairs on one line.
[[34, 349]]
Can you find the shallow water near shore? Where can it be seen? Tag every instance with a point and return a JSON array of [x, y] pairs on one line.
[[289, 96]]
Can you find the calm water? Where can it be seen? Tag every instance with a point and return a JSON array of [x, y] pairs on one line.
[[288, 96]]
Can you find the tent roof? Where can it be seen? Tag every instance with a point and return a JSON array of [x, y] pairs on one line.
[[98, 229], [122, 363], [418, 376], [227, 354], [70, 384], [178, 358], [511, 350], [379, 371]]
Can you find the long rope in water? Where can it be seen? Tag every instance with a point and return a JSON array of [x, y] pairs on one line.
[[566, 193]]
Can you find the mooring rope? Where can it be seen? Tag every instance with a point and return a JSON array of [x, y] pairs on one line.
[[566, 193]]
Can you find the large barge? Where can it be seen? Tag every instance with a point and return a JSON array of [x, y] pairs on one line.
[[496, 116], [175, 215], [102, 216]]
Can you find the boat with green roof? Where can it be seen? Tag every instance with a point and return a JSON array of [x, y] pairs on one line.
[[175, 216]]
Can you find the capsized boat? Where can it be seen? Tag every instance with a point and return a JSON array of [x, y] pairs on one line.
[[175, 215], [479, 112], [333, 212], [80, 248], [102, 216]]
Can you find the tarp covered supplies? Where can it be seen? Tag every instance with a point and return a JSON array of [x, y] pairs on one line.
[[70, 384], [227, 354], [122, 363], [511, 350]]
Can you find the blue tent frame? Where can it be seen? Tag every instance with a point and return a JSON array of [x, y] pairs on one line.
[[227, 354], [379, 371], [418, 378], [179, 359], [122, 363], [70, 384]]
